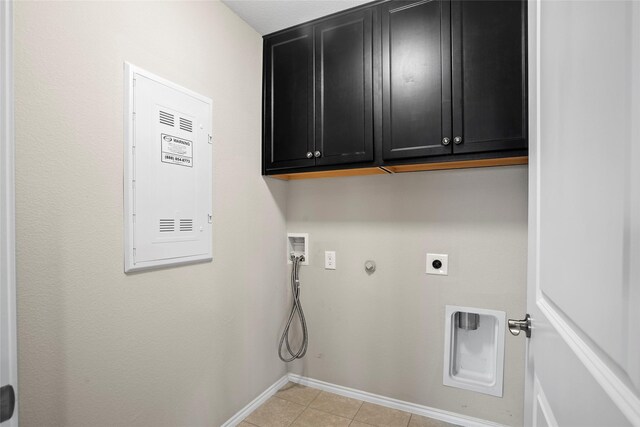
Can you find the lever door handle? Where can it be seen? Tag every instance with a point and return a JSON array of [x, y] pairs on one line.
[[517, 326]]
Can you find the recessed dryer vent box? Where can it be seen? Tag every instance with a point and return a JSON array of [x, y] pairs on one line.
[[474, 349], [167, 175]]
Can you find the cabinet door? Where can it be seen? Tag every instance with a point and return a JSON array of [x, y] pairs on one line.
[[416, 78], [489, 75], [288, 102], [344, 90]]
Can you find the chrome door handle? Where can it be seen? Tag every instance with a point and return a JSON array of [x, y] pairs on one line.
[[309, 155], [517, 326], [457, 140], [317, 154]]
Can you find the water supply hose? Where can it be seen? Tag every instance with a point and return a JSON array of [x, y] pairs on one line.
[[296, 308]]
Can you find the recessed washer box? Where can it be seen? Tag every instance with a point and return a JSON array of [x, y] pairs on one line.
[[298, 244], [167, 173]]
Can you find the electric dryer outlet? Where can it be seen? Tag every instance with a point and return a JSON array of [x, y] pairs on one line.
[[438, 264]]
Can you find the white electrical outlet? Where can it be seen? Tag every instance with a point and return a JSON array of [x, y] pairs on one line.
[[438, 264], [329, 260]]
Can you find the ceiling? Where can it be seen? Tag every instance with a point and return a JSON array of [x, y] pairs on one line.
[[267, 16]]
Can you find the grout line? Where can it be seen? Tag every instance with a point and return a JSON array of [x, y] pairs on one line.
[[314, 399], [359, 407], [410, 415], [455, 419], [279, 398], [330, 413], [308, 406], [294, 420], [305, 406]]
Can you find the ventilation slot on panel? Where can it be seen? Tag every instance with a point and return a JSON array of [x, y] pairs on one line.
[[186, 125], [167, 225], [166, 118], [186, 225]]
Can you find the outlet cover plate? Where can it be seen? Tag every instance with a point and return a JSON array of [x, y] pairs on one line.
[[444, 268], [329, 260]]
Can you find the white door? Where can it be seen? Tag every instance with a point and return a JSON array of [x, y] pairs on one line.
[[8, 355], [583, 366]]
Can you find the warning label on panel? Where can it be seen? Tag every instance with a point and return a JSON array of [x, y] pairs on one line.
[[176, 150]]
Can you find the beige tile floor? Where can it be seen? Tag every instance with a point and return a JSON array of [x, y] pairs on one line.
[[300, 406]]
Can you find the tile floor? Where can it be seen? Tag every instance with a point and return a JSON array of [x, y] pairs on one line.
[[300, 406]]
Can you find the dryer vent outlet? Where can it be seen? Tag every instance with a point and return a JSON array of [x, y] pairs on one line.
[[474, 349]]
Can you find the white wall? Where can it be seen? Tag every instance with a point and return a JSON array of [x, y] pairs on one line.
[[182, 346], [384, 333]]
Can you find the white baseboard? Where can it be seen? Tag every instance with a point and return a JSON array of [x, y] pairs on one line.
[[438, 414], [255, 403], [388, 402]]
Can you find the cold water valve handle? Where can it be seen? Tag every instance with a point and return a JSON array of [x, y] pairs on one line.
[[292, 256]]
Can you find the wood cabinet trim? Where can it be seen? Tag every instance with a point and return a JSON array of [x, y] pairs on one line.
[[505, 161], [330, 173], [386, 170]]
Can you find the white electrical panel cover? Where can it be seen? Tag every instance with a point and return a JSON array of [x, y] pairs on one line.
[[168, 173]]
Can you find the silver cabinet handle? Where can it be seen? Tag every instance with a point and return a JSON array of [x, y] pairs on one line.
[[317, 154], [309, 155], [457, 140], [446, 141]]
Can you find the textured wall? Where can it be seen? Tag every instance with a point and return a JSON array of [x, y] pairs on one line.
[[182, 346], [385, 333]]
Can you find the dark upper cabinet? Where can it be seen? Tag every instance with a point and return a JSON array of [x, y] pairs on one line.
[[344, 89], [489, 62], [416, 78], [288, 102], [398, 83], [341, 85]]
